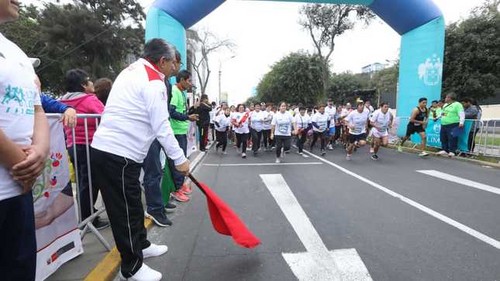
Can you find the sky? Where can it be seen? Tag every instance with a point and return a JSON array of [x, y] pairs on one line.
[[265, 32]]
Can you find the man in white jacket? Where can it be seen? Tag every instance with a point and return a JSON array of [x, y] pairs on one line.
[[135, 114]]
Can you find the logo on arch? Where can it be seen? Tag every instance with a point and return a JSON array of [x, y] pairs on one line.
[[430, 71]]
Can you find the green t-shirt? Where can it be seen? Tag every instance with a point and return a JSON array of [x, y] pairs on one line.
[[451, 113], [179, 100]]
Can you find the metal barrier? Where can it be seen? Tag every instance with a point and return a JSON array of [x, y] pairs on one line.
[[487, 138], [86, 224]]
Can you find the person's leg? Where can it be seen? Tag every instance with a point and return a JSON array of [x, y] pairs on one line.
[[300, 141], [265, 136], [17, 238], [350, 146], [453, 139], [238, 140], [223, 136], [205, 136], [121, 192], [315, 138], [323, 139], [253, 133], [244, 139], [152, 178], [258, 141], [376, 144], [177, 176], [287, 143], [423, 140], [443, 134], [279, 145]]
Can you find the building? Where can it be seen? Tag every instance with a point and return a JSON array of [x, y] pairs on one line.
[[374, 67]]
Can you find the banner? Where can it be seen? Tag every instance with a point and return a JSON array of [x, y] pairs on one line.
[[433, 131], [192, 138], [57, 235]]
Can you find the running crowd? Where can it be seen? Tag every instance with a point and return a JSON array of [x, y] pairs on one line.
[[143, 113]]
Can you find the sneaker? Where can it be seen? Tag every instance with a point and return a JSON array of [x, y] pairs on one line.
[[374, 157], [224, 152], [400, 149], [372, 150], [243, 155], [323, 152], [186, 189], [278, 160], [442, 152], [330, 147], [301, 153], [286, 151], [348, 157], [179, 196], [145, 273], [154, 251], [423, 154], [170, 207], [100, 224], [451, 154], [159, 218]]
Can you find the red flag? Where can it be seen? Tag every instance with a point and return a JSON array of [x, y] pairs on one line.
[[225, 220]]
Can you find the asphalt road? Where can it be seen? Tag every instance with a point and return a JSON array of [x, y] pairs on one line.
[[404, 225]]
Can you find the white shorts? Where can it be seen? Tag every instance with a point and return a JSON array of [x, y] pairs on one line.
[[377, 134]]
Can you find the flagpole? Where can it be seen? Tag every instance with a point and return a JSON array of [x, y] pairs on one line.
[[192, 178]]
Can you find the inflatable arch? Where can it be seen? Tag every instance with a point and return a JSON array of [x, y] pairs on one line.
[[419, 22]]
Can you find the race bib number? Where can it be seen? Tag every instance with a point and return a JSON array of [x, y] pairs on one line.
[[283, 128]]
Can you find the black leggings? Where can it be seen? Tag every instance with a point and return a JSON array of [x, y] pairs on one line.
[[241, 142], [265, 137], [256, 138], [221, 139], [301, 140], [282, 142], [321, 136]]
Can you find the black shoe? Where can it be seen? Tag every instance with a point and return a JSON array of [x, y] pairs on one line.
[[159, 217], [374, 157], [100, 224], [170, 207]]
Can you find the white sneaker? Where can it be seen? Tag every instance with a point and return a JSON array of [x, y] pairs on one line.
[[441, 152], [145, 273], [154, 250], [278, 160], [423, 154], [451, 154], [330, 147]]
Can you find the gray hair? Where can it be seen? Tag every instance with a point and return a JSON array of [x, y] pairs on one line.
[[451, 95], [157, 48]]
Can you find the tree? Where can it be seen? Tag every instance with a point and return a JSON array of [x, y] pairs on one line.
[[204, 43], [385, 82], [342, 86], [296, 79], [472, 54], [23, 31], [325, 22]]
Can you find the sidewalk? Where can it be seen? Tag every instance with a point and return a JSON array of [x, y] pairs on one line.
[[95, 253]]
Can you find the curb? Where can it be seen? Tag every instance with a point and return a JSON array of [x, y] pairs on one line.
[[107, 268]]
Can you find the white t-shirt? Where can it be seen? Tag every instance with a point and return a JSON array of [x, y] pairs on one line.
[[268, 117], [321, 120], [257, 120], [237, 117], [18, 97], [382, 120], [358, 120], [223, 122], [331, 113], [302, 121], [282, 123]]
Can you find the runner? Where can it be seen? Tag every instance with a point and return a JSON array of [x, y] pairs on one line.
[[303, 122], [281, 130], [357, 122], [417, 124], [381, 120], [222, 123], [240, 126], [256, 124], [320, 124], [266, 128], [331, 110]]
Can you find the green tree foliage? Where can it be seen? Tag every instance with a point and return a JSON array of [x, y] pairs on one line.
[[96, 36], [472, 54], [295, 79], [324, 22], [342, 86]]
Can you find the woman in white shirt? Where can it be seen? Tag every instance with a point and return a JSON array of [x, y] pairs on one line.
[[256, 124], [303, 122], [222, 122], [281, 130], [239, 120], [320, 124], [266, 127]]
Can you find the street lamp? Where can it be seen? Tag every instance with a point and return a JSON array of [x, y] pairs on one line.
[[220, 75]]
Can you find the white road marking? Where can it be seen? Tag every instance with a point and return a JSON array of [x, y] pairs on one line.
[[459, 180], [263, 164], [441, 217], [318, 263]]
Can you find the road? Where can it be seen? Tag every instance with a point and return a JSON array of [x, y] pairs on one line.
[[400, 218]]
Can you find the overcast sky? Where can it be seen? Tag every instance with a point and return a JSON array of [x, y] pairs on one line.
[[266, 31]]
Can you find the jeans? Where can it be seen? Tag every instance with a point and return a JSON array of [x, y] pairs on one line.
[[17, 238], [152, 178], [176, 175], [449, 143]]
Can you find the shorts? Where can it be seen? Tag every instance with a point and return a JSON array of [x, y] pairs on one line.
[[331, 132], [355, 138], [412, 129], [377, 134]]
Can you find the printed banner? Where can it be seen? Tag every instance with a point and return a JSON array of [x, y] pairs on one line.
[[433, 131], [192, 138], [57, 236]]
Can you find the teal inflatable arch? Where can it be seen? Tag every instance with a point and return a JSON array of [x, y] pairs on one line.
[[419, 22]]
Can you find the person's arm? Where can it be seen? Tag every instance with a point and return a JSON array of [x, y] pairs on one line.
[[10, 153], [158, 118], [30, 168], [273, 127], [174, 114], [51, 105]]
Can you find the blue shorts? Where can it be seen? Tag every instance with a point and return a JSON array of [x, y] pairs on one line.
[[331, 132]]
